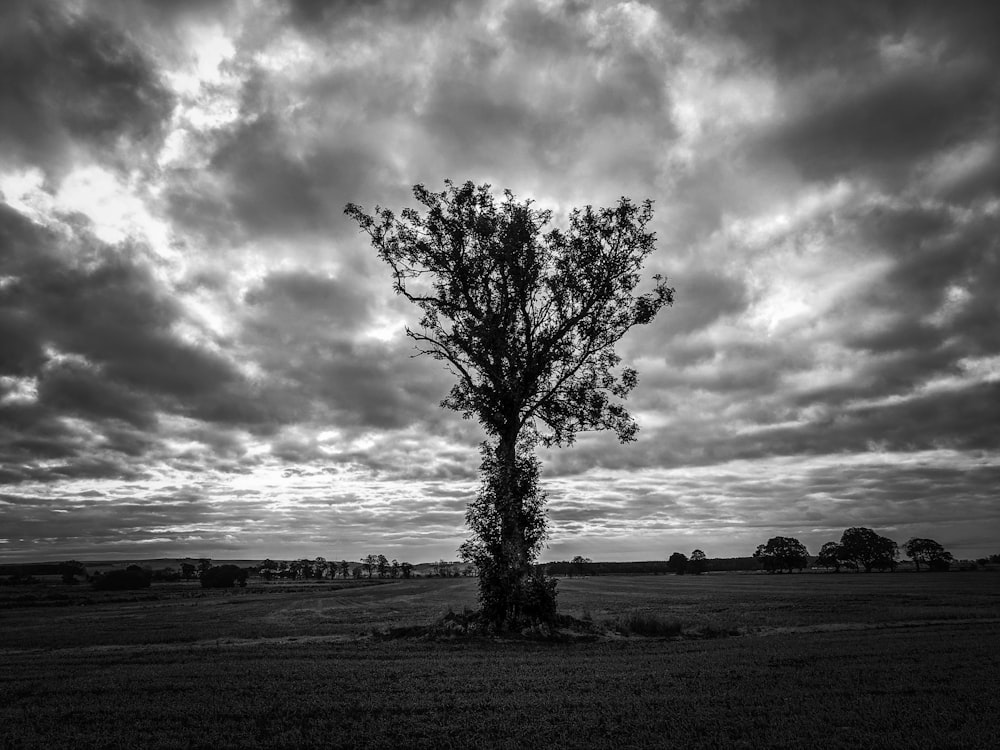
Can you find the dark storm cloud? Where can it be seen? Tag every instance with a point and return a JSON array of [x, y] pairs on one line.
[[799, 39], [317, 16], [304, 329], [884, 127], [68, 79], [95, 333], [871, 88], [268, 190]]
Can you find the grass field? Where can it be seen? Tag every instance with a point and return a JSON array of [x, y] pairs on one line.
[[838, 661]]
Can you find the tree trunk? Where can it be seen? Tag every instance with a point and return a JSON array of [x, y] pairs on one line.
[[514, 563]]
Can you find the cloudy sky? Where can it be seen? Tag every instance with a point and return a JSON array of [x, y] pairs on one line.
[[200, 354]]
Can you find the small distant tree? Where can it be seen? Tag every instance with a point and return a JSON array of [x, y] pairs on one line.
[[697, 563], [319, 567], [579, 565], [782, 553], [382, 565], [677, 564], [71, 569], [406, 569], [188, 571], [204, 564], [868, 550], [356, 571], [131, 578], [223, 577], [929, 552], [527, 320], [369, 563], [394, 569], [167, 574]]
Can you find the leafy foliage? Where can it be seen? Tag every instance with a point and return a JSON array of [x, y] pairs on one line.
[[526, 320], [865, 548], [697, 563], [500, 584], [831, 555], [781, 553], [929, 552]]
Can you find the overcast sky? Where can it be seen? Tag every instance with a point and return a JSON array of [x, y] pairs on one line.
[[200, 355]]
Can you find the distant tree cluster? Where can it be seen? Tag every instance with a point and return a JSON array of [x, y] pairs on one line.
[[680, 564], [859, 548], [320, 568]]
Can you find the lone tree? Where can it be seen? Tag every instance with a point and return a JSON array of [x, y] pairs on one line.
[[928, 551], [782, 552], [697, 562], [579, 565], [527, 321]]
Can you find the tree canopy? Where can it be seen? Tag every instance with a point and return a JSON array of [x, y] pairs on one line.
[[929, 552], [865, 548], [526, 319], [782, 552]]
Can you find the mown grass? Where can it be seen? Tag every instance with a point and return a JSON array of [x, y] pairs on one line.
[[901, 683]]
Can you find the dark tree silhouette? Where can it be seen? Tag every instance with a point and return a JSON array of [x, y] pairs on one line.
[[831, 555], [929, 552], [782, 552], [869, 550], [580, 564], [71, 569], [697, 562], [370, 563], [527, 321], [677, 563]]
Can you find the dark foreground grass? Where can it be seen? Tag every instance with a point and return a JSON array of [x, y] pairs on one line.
[[291, 667], [931, 686]]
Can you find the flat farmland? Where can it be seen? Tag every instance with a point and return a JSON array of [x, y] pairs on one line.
[[822, 659]]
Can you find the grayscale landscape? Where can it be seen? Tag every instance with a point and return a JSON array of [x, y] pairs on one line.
[[521, 373]]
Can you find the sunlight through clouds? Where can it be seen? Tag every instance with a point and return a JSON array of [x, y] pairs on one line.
[[202, 356]]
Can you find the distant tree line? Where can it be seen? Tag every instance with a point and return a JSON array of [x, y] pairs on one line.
[[859, 548]]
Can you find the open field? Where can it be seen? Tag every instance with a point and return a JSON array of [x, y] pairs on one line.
[[833, 660]]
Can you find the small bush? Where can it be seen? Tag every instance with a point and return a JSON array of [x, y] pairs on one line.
[[223, 577], [538, 598], [648, 624]]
